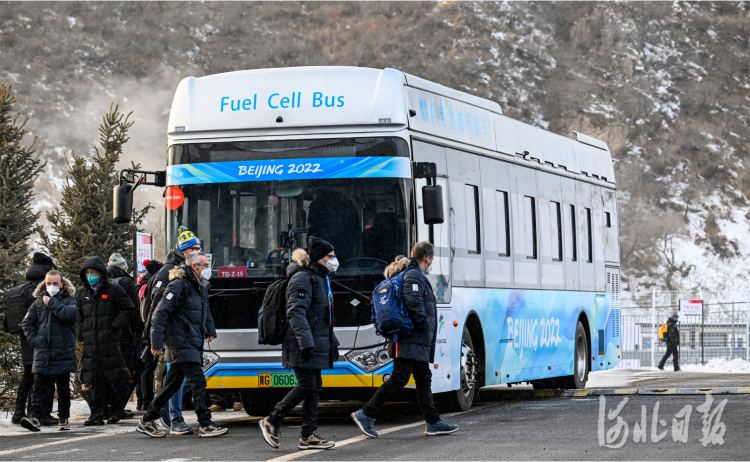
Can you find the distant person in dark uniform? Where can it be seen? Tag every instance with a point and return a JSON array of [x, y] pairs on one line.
[[334, 218], [673, 342]]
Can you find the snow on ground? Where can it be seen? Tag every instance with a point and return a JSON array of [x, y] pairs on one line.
[[721, 366]]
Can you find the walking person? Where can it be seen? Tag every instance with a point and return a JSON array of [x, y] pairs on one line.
[[104, 310], [673, 342], [180, 323], [310, 344], [18, 300], [48, 326], [187, 243], [412, 353]]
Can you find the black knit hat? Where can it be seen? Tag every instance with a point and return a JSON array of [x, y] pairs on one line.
[[43, 260], [318, 248]]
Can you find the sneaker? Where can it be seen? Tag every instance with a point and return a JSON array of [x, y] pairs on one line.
[[212, 430], [365, 424], [16, 419], [270, 433], [180, 428], [63, 425], [678, 370], [441, 427], [237, 406], [150, 429], [138, 406], [660, 368], [216, 407], [116, 417], [315, 442], [94, 421], [31, 424], [128, 414]]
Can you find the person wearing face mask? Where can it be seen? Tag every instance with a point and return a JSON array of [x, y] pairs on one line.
[[310, 344], [181, 323], [187, 243], [413, 352], [48, 326], [104, 311]]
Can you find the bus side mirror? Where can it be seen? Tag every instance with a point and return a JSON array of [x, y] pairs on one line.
[[122, 207], [432, 198]]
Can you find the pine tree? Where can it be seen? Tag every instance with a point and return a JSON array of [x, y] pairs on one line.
[[19, 168], [83, 225]]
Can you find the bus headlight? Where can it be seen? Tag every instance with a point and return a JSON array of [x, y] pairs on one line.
[[370, 359], [209, 359]]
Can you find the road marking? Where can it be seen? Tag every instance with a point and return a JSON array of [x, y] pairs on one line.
[[385, 431], [69, 440]]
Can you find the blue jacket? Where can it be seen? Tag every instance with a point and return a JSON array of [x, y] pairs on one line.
[[310, 317], [182, 320], [49, 330]]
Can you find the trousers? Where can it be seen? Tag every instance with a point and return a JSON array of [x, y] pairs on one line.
[[402, 370], [41, 399], [193, 372], [144, 389], [309, 386], [23, 397], [104, 394], [671, 350]]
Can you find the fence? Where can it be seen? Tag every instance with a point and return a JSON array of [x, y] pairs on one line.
[[721, 331]]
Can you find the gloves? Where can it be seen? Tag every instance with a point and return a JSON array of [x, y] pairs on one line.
[[336, 354], [307, 354]]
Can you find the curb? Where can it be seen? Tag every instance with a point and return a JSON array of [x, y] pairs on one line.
[[529, 394]]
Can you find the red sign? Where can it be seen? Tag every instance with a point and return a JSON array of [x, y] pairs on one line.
[[232, 272], [174, 198]]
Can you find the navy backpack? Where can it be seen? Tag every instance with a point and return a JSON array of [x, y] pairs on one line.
[[388, 313]]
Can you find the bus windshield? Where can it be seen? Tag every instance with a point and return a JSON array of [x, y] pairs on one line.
[[249, 224]]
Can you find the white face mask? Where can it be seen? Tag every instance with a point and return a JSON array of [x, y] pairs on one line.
[[332, 265], [206, 274], [53, 290]]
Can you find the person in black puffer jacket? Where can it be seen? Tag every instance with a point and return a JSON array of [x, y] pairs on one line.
[[104, 310], [412, 352], [48, 326], [310, 343], [182, 322], [19, 299]]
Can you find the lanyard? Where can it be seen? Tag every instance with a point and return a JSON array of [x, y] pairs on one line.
[[330, 301]]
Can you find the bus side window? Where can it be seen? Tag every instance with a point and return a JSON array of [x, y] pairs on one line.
[[530, 215], [503, 224], [574, 256], [589, 244], [471, 193], [556, 231]]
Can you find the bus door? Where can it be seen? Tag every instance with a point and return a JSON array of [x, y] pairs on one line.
[[446, 355]]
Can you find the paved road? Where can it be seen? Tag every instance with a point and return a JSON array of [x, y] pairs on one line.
[[549, 429]]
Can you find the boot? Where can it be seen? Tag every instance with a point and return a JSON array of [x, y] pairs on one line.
[[16, 419], [94, 421], [48, 421]]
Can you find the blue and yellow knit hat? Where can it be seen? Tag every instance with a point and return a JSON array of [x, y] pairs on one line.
[[187, 239]]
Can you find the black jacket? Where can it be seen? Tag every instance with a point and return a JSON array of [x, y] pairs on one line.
[[182, 320], [310, 316], [102, 315], [160, 283], [419, 344], [49, 330], [130, 337], [673, 333], [34, 275]]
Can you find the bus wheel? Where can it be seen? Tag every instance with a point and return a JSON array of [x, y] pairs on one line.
[[461, 399], [256, 403], [580, 362]]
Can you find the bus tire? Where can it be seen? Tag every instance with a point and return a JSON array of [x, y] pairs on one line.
[[580, 375], [461, 399], [257, 403]]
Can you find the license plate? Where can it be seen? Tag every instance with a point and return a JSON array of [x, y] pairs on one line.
[[277, 380]]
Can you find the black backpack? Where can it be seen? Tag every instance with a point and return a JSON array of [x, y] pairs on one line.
[[18, 305], [272, 321]]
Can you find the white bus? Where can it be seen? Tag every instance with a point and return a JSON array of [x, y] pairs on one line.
[[526, 271]]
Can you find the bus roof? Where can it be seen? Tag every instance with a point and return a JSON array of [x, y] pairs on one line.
[[256, 102]]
